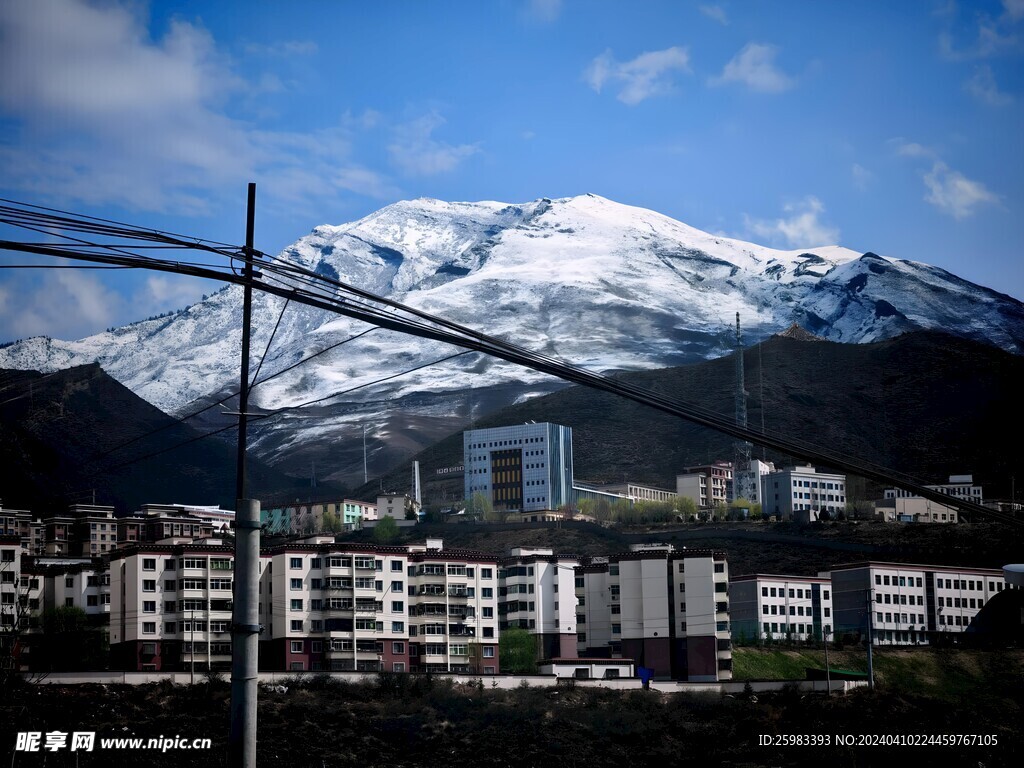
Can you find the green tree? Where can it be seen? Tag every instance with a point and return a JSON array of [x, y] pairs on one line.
[[686, 507], [332, 522], [517, 652], [386, 530], [479, 506]]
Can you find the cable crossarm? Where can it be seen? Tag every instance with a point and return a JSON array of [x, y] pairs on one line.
[[304, 286]]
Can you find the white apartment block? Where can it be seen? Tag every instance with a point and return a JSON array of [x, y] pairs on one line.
[[959, 486], [667, 610], [522, 468], [22, 523], [803, 493], [708, 485], [914, 509], [335, 607], [170, 607], [775, 607], [748, 483], [537, 592], [909, 604]]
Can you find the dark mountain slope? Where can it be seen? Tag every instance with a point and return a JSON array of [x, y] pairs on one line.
[[925, 403], [56, 431]]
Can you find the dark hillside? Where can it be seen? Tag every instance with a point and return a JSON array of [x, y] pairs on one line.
[[926, 403], [58, 433]]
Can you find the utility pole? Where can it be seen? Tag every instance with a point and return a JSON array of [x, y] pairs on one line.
[[245, 627], [365, 476], [192, 648]]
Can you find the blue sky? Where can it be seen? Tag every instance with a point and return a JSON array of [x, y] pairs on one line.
[[891, 127]]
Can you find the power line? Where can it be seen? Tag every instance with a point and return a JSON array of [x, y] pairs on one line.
[[386, 313]]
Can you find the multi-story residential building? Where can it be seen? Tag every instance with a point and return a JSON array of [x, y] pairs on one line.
[[959, 486], [522, 468], [803, 494], [708, 485], [312, 517], [536, 592], [773, 607], [914, 509], [595, 612], [909, 604], [85, 530], [400, 506], [170, 606], [20, 603], [668, 610], [22, 523], [341, 607], [748, 482], [459, 586], [159, 522]]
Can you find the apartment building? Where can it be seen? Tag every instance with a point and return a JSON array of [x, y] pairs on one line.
[[536, 592], [803, 494], [454, 614], [311, 517], [157, 522], [341, 607], [707, 485], [748, 481], [23, 524], [170, 606], [668, 610], [909, 604], [914, 509], [775, 607], [521, 468], [959, 486]]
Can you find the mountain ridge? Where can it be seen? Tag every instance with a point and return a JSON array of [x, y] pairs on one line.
[[603, 285]]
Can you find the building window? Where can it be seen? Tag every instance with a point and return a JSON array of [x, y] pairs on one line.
[[149, 606], [398, 626], [296, 605], [397, 606], [296, 583], [296, 646], [149, 564], [398, 649], [295, 563], [149, 627], [316, 563], [149, 585], [396, 566], [296, 625], [486, 593]]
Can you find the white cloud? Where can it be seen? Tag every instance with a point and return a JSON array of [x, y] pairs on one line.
[[715, 13], [754, 66], [906, 148], [417, 152], [1014, 9], [800, 229], [109, 115], [984, 88], [364, 181], [649, 74], [544, 10], [60, 304], [990, 39], [861, 176], [953, 193]]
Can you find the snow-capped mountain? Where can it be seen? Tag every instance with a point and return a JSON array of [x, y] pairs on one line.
[[585, 279]]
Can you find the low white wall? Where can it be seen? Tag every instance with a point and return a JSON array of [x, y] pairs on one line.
[[504, 682]]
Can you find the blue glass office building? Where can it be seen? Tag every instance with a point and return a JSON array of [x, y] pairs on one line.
[[522, 468]]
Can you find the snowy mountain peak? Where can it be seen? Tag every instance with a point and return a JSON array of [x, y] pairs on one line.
[[587, 279]]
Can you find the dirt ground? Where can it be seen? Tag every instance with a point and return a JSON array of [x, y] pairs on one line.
[[413, 721]]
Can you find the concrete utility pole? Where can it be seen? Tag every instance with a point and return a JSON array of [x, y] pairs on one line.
[[245, 627], [871, 642]]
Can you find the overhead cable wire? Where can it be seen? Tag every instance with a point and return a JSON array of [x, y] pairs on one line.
[[427, 326]]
